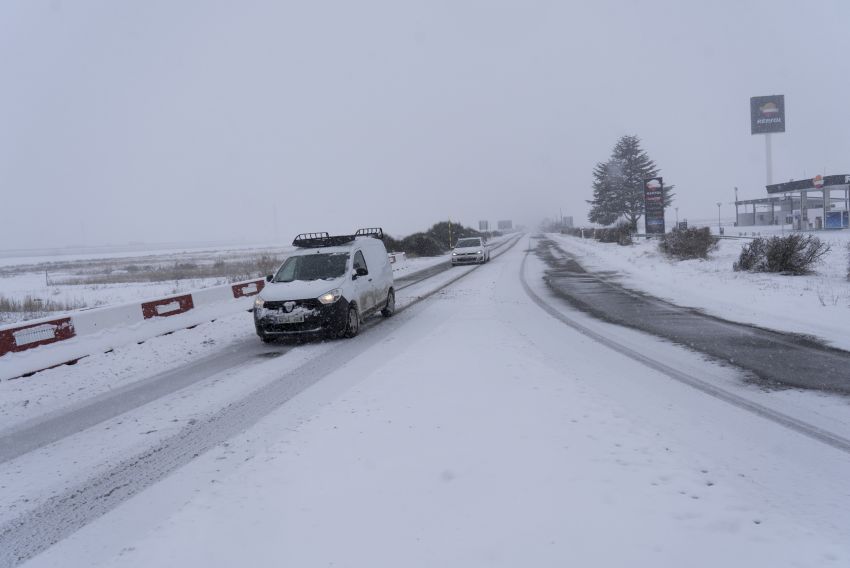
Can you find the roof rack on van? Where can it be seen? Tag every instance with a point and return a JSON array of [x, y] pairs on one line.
[[313, 240], [376, 232]]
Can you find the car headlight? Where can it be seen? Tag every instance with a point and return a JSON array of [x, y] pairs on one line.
[[479, 252], [454, 254], [331, 297], [258, 303]]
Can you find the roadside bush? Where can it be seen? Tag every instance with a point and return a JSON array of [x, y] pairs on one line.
[[686, 244], [792, 254], [620, 234], [752, 254], [434, 241], [422, 245]]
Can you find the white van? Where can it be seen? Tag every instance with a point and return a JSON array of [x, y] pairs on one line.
[[327, 286]]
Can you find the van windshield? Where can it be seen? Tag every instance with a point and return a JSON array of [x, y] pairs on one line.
[[325, 266], [468, 243]]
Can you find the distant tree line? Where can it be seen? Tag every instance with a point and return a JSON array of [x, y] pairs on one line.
[[440, 238]]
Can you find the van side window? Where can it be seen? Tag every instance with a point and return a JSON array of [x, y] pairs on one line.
[[359, 261]]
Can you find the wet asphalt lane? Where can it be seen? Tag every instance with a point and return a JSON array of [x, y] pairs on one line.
[[771, 358]]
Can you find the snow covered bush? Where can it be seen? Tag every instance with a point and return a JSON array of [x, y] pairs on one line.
[[686, 244], [620, 234], [792, 254]]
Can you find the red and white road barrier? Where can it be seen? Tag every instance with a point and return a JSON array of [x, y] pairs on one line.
[[36, 345]]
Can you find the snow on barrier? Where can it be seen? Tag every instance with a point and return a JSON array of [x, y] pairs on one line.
[[42, 344]]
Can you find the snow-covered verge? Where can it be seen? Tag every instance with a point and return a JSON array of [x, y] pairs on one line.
[[816, 305], [484, 433]]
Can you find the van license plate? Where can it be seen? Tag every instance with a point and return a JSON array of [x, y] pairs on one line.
[[290, 318]]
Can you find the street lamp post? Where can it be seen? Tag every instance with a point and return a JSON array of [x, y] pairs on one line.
[[719, 228], [677, 217]]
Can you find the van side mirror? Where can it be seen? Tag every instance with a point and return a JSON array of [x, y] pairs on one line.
[[269, 277], [359, 271]]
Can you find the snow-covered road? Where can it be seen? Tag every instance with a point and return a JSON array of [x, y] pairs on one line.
[[475, 429]]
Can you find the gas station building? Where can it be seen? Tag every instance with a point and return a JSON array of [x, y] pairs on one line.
[[800, 204]]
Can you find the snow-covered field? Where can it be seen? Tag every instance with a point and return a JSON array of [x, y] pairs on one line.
[[476, 430], [817, 304]]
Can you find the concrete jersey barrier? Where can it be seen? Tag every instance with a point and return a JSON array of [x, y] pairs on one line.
[[26, 348]]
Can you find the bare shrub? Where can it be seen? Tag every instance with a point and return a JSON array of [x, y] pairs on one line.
[[31, 307], [792, 254], [688, 243]]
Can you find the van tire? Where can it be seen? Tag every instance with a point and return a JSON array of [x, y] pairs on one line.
[[389, 307], [352, 322]]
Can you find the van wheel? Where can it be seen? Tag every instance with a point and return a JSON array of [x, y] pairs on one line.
[[352, 322], [389, 308]]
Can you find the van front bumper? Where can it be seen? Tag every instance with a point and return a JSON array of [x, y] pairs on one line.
[[305, 317]]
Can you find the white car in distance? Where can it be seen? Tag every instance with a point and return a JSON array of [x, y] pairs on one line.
[[470, 250]]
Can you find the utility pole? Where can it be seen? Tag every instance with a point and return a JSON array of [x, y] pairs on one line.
[[719, 228], [736, 205]]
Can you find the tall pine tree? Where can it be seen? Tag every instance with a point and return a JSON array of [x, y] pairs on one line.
[[607, 204], [618, 184]]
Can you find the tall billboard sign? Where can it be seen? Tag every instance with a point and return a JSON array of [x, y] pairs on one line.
[[483, 226], [767, 114], [505, 225], [653, 200]]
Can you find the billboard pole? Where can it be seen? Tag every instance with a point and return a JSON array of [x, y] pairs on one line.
[[768, 153]]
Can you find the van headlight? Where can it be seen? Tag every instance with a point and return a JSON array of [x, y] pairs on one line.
[[259, 303], [331, 297]]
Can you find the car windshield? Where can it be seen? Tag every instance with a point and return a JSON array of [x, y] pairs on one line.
[[468, 243], [323, 266]]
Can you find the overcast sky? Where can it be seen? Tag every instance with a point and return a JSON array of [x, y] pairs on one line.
[[170, 120]]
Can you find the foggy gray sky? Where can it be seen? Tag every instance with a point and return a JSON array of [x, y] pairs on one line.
[[193, 120]]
